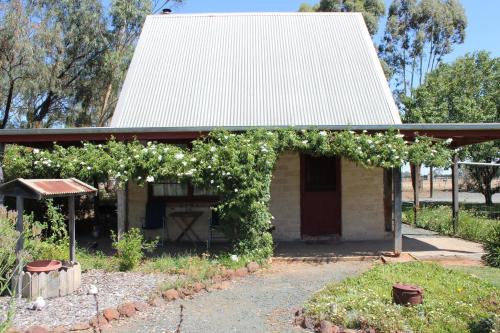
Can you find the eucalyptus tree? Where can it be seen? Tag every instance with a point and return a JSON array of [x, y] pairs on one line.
[[69, 40], [97, 97], [418, 35], [372, 10], [16, 56], [467, 90]]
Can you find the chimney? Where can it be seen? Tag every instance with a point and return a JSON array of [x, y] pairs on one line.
[[166, 11]]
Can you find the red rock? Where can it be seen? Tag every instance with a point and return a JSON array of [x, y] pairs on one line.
[[80, 327], [140, 306], [155, 301], [188, 292], [126, 310], [37, 329], [111, 314], [336, 329], [300, 321], [198, 286], [348, 330], [228, 274], [325, 327], [252, 267], [217, 278], [98, 321], [241, 272], [171, 295], [59, 329]]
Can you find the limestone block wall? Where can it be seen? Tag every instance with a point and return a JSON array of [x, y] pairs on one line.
[[285, 197], [362, 202]]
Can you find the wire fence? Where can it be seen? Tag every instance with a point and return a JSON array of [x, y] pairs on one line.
[[470, 197]]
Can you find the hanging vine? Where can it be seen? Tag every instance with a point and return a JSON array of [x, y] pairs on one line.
[[237, 167]]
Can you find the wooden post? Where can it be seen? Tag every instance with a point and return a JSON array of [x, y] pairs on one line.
[[416, 190], [20, 243], [454, 191], [71, 212], [397, 207], [121, 211], [431, 182]]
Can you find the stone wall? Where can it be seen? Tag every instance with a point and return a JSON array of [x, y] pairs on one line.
[[285, 197], [362, 202]]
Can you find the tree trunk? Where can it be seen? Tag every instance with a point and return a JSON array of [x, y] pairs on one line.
[[8, 105], [488, 193], [2, 179]]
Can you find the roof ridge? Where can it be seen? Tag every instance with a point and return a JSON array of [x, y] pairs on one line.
[[227, 14]]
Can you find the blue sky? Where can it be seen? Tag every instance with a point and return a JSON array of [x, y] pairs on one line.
[[483, 31]]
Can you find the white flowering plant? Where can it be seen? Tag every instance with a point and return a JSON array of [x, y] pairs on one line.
[[237, 167]]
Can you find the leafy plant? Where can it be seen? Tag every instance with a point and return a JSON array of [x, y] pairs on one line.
[[236, 167], [131, 247], [492, 248]]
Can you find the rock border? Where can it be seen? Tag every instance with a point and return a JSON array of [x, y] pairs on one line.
[[324, 326], [104, 320]]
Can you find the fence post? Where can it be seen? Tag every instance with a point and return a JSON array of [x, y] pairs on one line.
[[454, 191]]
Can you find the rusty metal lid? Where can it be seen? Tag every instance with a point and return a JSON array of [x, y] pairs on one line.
[[408, 287]]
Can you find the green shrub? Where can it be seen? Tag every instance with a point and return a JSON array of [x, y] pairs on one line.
[[492, 248], [471, 225], [130, 248]]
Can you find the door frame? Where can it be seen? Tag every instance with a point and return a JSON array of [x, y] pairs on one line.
[[338, 175]]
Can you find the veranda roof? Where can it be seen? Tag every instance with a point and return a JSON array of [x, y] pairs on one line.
[[46, 188], [255, 69]]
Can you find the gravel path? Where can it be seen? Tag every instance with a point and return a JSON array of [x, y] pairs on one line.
[[114, 289], [258, 303]]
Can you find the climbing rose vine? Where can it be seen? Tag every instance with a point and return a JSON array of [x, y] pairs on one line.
[[237, 167]]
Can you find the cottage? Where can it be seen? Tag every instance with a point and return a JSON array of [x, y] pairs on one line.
[[206, 71]]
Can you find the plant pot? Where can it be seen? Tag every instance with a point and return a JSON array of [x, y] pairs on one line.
[[46, 266]]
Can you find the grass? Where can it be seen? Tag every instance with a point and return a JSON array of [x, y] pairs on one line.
[[489, 274], [453, 301], [471, 225]]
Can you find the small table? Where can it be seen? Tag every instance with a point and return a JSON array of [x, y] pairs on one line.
[[185, 221]]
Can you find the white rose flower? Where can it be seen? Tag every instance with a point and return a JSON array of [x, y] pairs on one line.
[[212, 149], [323, 133], [36, 151], [448, 141], [179, 156], [150, 179]]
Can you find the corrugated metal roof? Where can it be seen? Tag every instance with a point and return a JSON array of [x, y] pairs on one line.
[[256, 69], [46, 188]]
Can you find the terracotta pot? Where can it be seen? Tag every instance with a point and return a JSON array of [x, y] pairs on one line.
[[407, 294], [40, 266]]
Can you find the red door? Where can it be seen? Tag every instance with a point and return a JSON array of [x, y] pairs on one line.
[[320, 196]]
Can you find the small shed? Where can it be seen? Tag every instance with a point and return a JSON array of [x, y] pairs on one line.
[[45, 189]]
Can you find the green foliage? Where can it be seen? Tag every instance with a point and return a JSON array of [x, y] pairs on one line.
[[453, 301], [131, 247], [237, 167], [466, 91], [492, 248], [372, 10], [471, 225], [489, 274], [418, 34]]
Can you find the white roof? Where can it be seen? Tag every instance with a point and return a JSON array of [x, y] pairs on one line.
[[255, 69]]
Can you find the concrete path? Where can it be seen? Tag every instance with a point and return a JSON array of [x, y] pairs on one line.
[[428, 245], [258, 303]]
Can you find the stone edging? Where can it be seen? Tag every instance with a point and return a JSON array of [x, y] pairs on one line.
[[104, 321], [324, 326]]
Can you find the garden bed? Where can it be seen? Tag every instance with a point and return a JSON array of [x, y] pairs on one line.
[[453, 301], [114, 288]]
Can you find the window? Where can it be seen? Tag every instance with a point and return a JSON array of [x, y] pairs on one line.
[[320, 173], [177, 191]]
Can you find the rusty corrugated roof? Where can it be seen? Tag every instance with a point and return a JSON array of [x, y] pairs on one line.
[[46, 188]]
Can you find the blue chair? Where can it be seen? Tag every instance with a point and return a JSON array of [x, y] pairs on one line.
[[155, 217]]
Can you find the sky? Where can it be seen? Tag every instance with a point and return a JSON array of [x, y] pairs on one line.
[[483, 31]]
